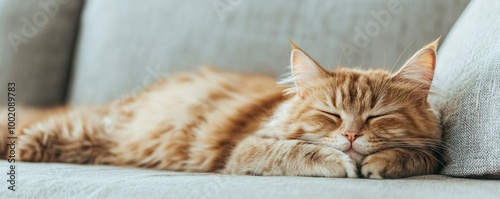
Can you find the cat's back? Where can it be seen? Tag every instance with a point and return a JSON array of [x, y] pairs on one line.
[[207, 91], [189, 121]]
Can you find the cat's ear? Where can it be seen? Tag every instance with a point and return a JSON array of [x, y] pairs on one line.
[[304, 68], [419, 69]]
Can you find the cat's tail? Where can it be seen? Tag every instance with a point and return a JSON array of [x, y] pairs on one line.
[[64, 134], [12, 119]]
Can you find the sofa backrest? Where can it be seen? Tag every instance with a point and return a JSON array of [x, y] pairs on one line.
[[124, 46], [36, 48]]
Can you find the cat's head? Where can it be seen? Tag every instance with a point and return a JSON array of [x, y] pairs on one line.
[[360, 112]]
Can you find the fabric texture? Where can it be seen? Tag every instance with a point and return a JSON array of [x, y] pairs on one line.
[[54, 180], [467, 80], [125, 45], [36, 47]]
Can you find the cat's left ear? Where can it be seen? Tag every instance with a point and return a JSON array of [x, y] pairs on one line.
[[419, 69], [304, 68]]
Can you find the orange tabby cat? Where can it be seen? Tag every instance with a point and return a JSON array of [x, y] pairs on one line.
[[326, 123]]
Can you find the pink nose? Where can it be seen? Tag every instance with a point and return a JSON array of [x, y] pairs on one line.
[[352, 135]]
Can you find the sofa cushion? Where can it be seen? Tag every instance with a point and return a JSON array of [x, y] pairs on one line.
[[467, 81], [36, 49], [55, 180], [124, 46]]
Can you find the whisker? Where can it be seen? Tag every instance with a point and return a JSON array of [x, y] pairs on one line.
[[392, 69], [340, 59], [418, 149], [384, 60], [437, 143], [426, 145], [441, 163]]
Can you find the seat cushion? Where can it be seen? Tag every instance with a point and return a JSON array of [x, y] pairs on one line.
[[55, 180], [36, 48], [126, 46], [467, 84]]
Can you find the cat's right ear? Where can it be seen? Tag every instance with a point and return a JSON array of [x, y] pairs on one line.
[[419, 69], [304, 68]]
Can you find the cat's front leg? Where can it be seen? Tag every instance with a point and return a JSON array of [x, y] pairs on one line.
[[269, 156], [399, 163]]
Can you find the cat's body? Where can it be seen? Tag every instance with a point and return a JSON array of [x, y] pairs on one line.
[[328, 124]]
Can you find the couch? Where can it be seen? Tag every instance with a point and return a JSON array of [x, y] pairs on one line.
[[91, 52]]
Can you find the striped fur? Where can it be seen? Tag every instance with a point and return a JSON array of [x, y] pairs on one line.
[[214, 121]]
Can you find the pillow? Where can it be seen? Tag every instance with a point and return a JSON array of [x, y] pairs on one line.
[[467, 80]]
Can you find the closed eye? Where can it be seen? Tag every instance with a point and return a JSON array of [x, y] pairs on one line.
[[371, 117], [330, 113]]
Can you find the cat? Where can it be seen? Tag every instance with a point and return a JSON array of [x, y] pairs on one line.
[[340, 123]]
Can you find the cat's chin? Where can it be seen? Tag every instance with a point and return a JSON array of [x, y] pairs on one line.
[[356, 156]]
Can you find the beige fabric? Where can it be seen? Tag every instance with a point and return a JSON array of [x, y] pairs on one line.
[[36, 46], [468, 82], [124, 46], [42, 180]]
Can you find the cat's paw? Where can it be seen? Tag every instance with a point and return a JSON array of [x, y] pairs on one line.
[[339, 164], [380, 166]]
